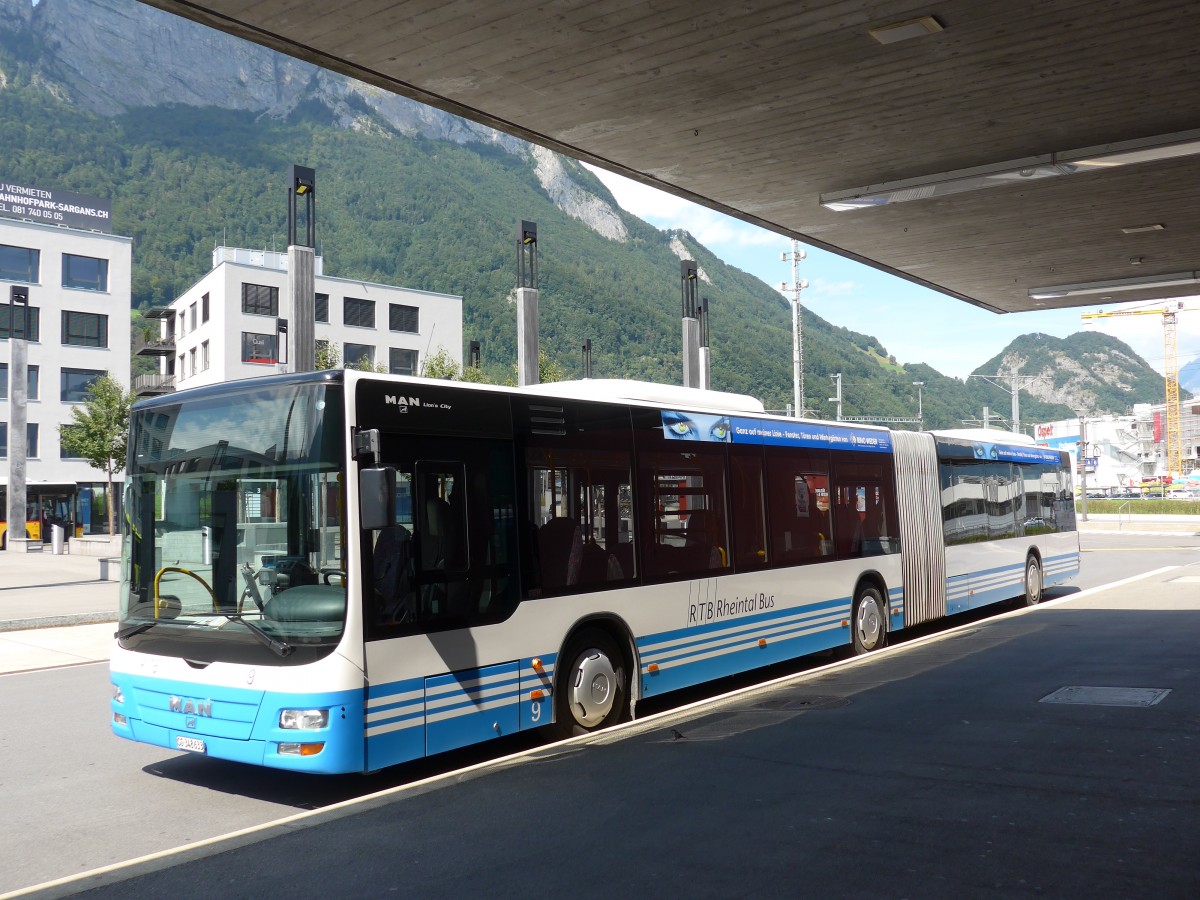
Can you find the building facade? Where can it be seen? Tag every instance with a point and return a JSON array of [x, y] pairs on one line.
[[233, 324], [79, 283], [1127, 453]]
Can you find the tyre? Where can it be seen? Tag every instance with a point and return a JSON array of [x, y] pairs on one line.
[[1033, 581], [869, 621], [592, 685]]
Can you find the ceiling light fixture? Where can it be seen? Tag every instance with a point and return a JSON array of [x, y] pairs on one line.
[[1148, 282], [1018, 171], [1138, 229], [903, 31]]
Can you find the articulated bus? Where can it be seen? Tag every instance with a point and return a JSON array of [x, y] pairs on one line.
[[337, 571]]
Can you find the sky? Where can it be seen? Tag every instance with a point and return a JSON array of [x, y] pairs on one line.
[[915, 324]]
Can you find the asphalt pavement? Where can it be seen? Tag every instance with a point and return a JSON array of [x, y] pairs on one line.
[[1044, 752]]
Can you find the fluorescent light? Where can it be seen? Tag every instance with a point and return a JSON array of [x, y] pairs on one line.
[[1017, 171], [1138, 229], [1148, 282], [902, 31]]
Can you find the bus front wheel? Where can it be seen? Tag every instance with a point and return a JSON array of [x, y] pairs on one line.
[[868, 623], [1033, 581], [593, 688]]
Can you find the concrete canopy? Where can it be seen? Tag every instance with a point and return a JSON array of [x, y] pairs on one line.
[[759, 107]]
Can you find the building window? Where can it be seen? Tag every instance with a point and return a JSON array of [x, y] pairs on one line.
[[360, 313], [31, 440], [403, 318], [402, 362], [192, 356], [180, 372], [19, 264], [259, 349], [204, 309], [84, 272], [32, 380], [322, 307], [192, 318], [35, 322], [204, 357], [74, 383], [358, 356], [82, 329], [260, 300]]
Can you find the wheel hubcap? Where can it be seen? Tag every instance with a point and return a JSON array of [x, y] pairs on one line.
[[869, 623], [593, 688]]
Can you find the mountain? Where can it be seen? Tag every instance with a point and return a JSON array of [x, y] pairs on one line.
[[190, 132], [1189, 377]]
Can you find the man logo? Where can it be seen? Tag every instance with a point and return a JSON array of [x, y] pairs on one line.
[[401, 400]]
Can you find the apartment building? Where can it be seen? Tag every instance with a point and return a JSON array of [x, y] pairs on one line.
[[233, 323], [79, 281]]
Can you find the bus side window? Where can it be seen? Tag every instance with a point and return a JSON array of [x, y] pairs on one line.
[[799, 506], [684, 526], [749, 513], [578, 520]]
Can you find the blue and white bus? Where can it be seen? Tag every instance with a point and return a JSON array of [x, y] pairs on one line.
[[337, 571]]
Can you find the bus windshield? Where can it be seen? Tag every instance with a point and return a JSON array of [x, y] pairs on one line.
[[234, 524]]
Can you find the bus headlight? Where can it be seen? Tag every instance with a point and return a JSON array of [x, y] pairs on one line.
[[304, 719]]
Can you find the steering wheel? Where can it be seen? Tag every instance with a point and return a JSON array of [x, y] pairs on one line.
[[159, 603]]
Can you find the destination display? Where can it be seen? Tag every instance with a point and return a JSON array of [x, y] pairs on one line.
[[54, 207]]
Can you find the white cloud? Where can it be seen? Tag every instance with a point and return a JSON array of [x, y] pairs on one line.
[[822, 288]]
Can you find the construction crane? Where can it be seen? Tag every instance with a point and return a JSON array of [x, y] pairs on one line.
[[1170, 371]]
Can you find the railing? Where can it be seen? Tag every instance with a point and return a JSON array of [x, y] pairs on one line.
[[153, 384], [155, 346]]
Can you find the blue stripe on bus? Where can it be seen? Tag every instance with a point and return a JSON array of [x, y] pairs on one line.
[[688, 656]]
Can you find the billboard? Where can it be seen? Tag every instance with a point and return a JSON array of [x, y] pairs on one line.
[[54, 207]]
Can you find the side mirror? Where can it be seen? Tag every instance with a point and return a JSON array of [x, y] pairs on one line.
[[377, 498]]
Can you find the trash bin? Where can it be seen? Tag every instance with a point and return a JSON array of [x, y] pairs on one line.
[[58, 540]]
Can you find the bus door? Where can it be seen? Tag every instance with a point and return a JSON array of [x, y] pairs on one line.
[[434, 580]]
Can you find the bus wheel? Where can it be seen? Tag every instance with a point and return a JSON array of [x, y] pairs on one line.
[[1033, 581], [869, 624], [592, 686]]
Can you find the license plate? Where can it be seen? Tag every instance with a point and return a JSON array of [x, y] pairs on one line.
[[195, 745]]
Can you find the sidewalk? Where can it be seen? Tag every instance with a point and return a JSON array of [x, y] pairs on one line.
[[1156, 524], [39, 590]]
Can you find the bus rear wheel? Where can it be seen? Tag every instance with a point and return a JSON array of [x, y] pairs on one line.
[[1033, 581], [869, 622], [593, 690]]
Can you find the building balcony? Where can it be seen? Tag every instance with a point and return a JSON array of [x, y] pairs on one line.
[[152, 385], [155, 346]]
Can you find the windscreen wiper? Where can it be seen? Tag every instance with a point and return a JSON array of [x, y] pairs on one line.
[[129, 631], [281, 648]]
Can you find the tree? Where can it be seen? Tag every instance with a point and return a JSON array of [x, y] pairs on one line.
[[100, 431], [440, 365], [328, 356]]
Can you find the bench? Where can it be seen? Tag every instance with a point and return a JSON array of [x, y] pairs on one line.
[[110, 568]]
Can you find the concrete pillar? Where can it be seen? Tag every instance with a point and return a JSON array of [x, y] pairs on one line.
[[527, 337], [18, 418], [691, 352], [302, 282], [705, 369]]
